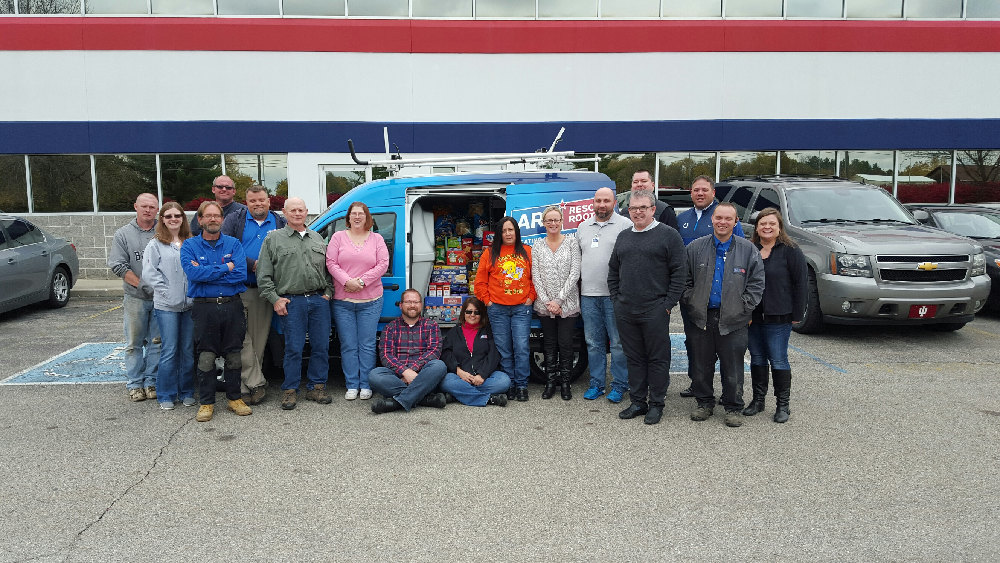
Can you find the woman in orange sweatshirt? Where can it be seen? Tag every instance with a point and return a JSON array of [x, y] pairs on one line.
[[503, 283]]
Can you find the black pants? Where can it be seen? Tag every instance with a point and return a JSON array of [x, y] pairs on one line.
[[645, 340], [707, 345], [219, 329], [557, 334]]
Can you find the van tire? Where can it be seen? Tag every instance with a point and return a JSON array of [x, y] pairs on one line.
[[537, 359], [812, 320]]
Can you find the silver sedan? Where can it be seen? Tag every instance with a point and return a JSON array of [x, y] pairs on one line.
[[34, 265]]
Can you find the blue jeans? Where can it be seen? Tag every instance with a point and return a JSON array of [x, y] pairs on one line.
[[357, 325], [175, 375], [142, 343], [385, 382], [599, 327], [769, 342], [306, 314], [511, 329], [472, 395]]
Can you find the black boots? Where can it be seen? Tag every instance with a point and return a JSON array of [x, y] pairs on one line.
[[551, 372], [566, 367], [782, 388], [758, 378]]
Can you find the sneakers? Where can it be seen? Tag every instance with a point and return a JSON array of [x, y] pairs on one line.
[[498, 399], [288, 401], [616, 395], [595, 392], [136, 395], [701, 413], [365, 394], [189, 402], [239, 407], [436, 400], [353, 394], [150, 392], [380, 406], [167, 406], [257, 395], [205, 413], [654, 415], [319, 394], [734, 419]]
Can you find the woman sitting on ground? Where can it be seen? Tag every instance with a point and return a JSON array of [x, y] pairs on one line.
[[472, 359]]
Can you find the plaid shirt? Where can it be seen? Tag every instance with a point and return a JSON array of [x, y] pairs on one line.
[[406, 347]]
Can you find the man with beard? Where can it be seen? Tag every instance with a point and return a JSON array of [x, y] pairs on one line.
[[216, 270], [410, 350], [249, 226], [597, 238], [225, 193]]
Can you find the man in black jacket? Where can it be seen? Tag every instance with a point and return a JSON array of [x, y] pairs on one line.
[[646, 275], [642, 181]]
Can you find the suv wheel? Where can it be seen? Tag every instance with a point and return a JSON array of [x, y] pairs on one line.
[[812, 320]]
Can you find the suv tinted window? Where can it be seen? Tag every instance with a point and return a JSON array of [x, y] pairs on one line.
[[740, 198], [384, 224], [767, 197]]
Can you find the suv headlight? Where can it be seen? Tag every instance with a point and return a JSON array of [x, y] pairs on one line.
[[854, 265], [978, 265]]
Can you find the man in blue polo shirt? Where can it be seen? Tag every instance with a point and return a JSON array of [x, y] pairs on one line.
[[216, 270], [249, 226]]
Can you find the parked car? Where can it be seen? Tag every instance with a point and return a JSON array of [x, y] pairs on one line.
[[869, 261], [978, 222], [34, 265]]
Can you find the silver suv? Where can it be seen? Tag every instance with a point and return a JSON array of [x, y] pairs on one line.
[[870, 262]]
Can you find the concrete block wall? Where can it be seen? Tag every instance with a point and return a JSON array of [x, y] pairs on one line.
[[91, 233]]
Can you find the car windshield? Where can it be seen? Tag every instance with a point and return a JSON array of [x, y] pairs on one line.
[[844, 205], [973, 225]]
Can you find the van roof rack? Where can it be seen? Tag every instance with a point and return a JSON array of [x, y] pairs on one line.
[[395, 162]]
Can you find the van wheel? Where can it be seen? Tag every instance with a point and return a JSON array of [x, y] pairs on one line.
[[538, 358], [59, 288], [812, 320]]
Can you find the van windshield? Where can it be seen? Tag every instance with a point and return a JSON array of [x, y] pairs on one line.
[[844, 205]]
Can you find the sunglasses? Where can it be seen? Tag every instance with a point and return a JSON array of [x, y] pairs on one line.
[[472, 311], [225, 187]]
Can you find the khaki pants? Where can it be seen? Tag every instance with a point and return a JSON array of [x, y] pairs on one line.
[[259, 313]]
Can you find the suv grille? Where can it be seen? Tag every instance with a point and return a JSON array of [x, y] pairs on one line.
[[922, 276], [911, 258]]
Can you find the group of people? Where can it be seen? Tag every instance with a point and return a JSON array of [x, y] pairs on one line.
[[199, 301]]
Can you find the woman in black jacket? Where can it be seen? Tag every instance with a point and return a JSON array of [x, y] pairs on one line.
[[473, 360], [783, 304]]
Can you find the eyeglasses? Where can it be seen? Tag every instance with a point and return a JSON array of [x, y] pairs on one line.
[[640, 207], [173, 216], [551, 221], [472, 312], [224, 187], [211, 216]]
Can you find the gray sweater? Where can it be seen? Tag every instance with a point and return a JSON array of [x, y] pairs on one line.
[[742, 283], [646, 270], [161, 269], [126, 254]]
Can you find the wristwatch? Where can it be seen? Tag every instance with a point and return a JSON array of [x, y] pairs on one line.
[[361, 281]]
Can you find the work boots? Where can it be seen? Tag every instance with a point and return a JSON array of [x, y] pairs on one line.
[[565, 370], [782, 388], [551, 372], [758, 378]]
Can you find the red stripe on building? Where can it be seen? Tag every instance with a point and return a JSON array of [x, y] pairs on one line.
[[484, 36]]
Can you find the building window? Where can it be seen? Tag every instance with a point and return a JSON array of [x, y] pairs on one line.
[[977, 176], [268, 170], [505, 8], [183, 7], [809, 162], [248, 7], [385, 8], [982, 9], [187, 178], [13, 184], [121, 178], [6, 6], [61, 183], [874, 8], [313, 8], [933, 8], [620, 167], [814, 8], [630, 8], [692, 8], [340, 180], [116, 7], [679, 169], [867, 167], [442, 8], [753, 8], [747, 163], [567, 8], [924, 176], [49, 6]]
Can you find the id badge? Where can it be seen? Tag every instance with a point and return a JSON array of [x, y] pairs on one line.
[[595, 243]]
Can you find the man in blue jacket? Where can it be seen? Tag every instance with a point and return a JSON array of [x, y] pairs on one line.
[[216, 269], [250, 225]]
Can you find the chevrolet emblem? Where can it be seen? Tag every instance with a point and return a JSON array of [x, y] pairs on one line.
[[927, 266]]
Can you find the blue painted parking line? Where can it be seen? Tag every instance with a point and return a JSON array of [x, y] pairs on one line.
[[817, 359], [679, 357], [90, 362]]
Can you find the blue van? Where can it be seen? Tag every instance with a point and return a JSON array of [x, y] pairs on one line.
[[404, 208]]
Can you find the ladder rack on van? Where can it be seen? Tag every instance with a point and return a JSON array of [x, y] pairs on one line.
[[394, 162]]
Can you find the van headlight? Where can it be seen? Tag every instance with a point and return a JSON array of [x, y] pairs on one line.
[[978, 265], [854, 265]]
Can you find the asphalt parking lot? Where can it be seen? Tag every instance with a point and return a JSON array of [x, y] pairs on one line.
[[891, 454]]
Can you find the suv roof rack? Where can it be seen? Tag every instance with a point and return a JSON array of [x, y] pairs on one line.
[[779, 177], [395, 162]]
